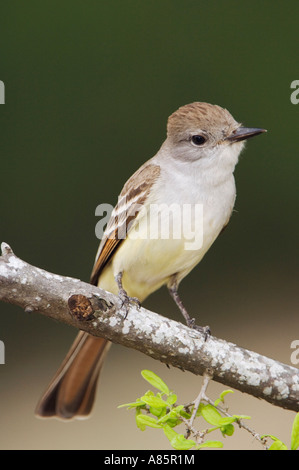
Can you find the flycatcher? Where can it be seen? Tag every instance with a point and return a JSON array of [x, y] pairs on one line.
[[193, 168]]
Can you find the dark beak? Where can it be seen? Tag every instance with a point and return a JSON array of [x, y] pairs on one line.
[[243, 133]]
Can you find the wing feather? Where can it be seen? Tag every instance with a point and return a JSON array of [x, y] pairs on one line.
[[132, 197]]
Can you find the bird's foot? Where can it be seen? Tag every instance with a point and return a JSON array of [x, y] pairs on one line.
[[204, 330], [126, 301]]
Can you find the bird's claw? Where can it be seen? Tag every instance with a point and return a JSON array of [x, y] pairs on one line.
[[204, 330], [126, 300]]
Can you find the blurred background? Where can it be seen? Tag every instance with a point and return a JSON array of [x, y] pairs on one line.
[[88, 88]]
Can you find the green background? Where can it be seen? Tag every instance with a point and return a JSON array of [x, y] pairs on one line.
[[88, 88]]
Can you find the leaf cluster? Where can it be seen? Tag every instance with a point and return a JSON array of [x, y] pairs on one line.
[[160, 410]]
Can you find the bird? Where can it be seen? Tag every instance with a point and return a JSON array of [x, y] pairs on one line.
[[194, 168]]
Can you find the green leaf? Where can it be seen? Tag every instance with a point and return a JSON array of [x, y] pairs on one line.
[[222, 395], [211, 415], [199, 409], [227, 430], [241, 417], [271, 436], [149, 393], [177, 441], [166, 418], [295, 433], [178, 409], [227, 420], [158, 412], [169, 432], [173, 422], [184, 414], [172, 415], [132, 405], [143, 420], [171, 399], [231, 419], [155, 381], [278, 445], [154, 401], [140, 425], [210, 444], [225, 392]]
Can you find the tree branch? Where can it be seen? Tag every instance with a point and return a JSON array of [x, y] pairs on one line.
[[98, 312]]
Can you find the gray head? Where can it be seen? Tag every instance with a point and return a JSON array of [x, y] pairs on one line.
[[205, 131]]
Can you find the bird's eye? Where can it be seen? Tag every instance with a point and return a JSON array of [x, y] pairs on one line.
[[198, 140]]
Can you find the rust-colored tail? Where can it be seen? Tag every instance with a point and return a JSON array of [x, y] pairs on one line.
[[70, 393]]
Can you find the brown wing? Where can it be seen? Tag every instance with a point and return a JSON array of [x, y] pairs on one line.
[[131, 198]]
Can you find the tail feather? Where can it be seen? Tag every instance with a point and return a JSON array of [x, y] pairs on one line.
[[70, 393]]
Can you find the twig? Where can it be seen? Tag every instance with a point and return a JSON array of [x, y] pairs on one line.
[[96, 311], [202, 395], [240, 423]]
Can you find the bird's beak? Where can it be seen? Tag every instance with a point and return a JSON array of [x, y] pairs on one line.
[[243, 133]]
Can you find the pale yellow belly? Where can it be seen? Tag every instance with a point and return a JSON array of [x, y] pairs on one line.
[[148, 264]]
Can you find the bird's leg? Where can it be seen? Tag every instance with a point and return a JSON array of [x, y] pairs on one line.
[[173, 290], [124, 297]]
